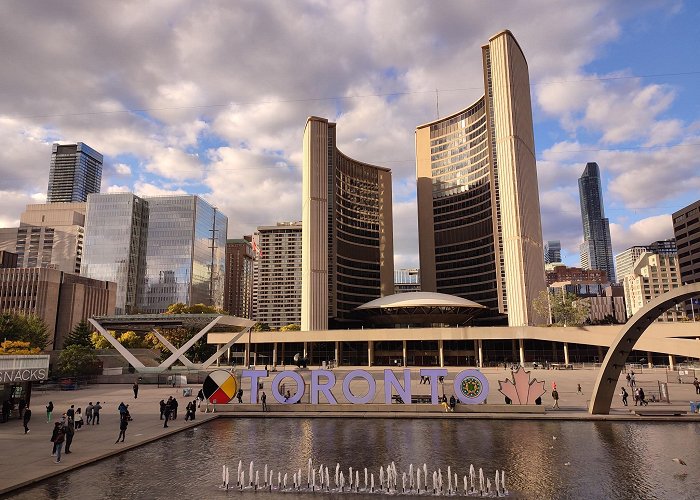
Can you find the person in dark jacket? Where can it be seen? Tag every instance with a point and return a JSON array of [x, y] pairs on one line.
[[69, 430], [174, 405], [123, 424], [49, 411], [168, 410], [25, 419], [96, 413], [162, 409], [136, 390], [57, 437]]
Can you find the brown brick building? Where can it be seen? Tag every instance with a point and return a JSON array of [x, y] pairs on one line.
[[238, 286], [62, 300]]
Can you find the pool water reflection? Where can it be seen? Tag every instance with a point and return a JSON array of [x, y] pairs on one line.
[[605, 459]]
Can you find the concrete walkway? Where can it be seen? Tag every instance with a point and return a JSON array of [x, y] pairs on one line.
[[26, 459]]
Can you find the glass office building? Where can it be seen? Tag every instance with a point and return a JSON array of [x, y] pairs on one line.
[[596, 249], [186, 253], [116, 228]]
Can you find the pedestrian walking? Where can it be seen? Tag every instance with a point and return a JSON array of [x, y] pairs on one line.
[[636, 397], [200, 398], [57, 437], [633, 382], [239, 395], [96, 413], [78, 419], [579, 391], [162, 409], [642, 398], [174, 404], [555, 397], [696, 383], [88, 413], [167, 410], [22, 406], [628, 377], [25, 419], [263, 399], [49, 411], [123, 424], [69, 430], [624, 395], [136, 390], [6, 409], [187, 411]]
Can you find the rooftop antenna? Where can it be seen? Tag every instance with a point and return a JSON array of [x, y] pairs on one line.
[[437, 103]]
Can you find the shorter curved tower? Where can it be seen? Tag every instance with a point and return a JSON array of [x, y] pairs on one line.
[[347, 235]]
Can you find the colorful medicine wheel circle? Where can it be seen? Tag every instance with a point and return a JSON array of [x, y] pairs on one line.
[[471, 387], [220, 387]]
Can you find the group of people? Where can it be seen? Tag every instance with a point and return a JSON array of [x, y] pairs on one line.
[[448, 405], [7, 407], [64, 429], [639, 397]]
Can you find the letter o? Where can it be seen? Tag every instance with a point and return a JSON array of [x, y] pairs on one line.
[[471, 387], [371, 391], [276, 387]]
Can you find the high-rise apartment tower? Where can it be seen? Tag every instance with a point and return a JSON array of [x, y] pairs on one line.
[[76, 172], [480, 234]]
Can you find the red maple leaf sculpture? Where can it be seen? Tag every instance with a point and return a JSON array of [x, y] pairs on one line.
[[521, 391]]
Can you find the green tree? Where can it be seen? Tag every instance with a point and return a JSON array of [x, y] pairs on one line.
[[80, 335], [76, 360], [17, 347], [25, 328], [569, 310]]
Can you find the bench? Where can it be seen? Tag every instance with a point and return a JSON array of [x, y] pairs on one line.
[[659, 413], [562, 366], [421, 399]]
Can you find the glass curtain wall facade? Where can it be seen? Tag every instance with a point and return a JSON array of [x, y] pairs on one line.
[[596, 249], [116, 227], [76, 172], [347, 234], [186, 253], [478, 200]]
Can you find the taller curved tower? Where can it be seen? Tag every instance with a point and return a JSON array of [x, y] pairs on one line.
[[347, 236], [480, 234]]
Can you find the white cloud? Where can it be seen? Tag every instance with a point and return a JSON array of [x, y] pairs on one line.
[[122, 169], [642, 232], [149, 189]]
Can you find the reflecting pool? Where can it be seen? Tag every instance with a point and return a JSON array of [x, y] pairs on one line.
[[620, 460]]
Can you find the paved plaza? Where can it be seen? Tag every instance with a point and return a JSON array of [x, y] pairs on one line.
[[27, 458]]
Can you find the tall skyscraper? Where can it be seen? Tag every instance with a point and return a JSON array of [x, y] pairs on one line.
[[186, 253], [478, 202], [552, 251], [277, 288], [596, 249], [238, 287], [116, 227], [76, 172], [347, 235]]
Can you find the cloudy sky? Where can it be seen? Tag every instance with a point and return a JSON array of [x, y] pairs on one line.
[[211, 97]]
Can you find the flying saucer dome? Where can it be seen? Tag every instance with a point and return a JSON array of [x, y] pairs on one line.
[[419, 308]]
